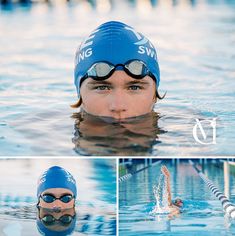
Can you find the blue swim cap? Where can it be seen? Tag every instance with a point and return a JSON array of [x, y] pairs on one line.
[[44, 230], [116, 43], [56, 177]]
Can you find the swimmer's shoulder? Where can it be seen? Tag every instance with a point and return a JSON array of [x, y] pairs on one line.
[[174, 209], [174, 212]]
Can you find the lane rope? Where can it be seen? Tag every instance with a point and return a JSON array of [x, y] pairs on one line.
[[129, 175], [228, 207]]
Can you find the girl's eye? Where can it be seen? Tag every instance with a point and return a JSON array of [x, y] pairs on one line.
[[135, 87], [102, 87]]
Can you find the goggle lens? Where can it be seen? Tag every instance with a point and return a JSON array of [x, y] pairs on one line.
[[66, 198], [66, 219], [135, 67], [48, 219], [48, 198], [102, 69]]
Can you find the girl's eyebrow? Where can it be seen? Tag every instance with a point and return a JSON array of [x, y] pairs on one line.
[[104, 82], [137, 82], [95, 82], [60, 195]]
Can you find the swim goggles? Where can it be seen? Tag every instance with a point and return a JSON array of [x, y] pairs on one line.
[[103, 70], [49, 198], [51, 220], [178, 201]]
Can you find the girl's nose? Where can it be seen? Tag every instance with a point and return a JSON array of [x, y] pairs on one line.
[[118, 104]]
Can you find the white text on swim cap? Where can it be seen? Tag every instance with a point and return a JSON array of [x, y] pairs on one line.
[[42, 179], [70, 178], [150, 52], [88, 52], [83, 54], [141, 41]]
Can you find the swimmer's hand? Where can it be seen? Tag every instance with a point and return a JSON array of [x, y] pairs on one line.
[[165, 171]]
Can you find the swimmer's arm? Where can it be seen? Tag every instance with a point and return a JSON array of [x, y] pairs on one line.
[[166, 173], [168, 184]]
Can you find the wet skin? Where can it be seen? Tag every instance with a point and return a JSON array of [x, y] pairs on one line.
[[173, 207], [119, 97]]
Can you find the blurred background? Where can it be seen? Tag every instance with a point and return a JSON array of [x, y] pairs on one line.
[[106, 5]]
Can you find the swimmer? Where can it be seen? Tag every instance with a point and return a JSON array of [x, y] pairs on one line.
[[176, 205], [56, 195], [116, 73], [56, 189]]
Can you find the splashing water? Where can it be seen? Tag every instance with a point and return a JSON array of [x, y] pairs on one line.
[[161, 197]]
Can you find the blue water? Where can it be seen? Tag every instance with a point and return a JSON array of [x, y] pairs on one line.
[[202, 211], [194, 40], [95, 205]]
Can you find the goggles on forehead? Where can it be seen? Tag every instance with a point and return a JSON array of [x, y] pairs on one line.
[[103, 70], [51, 220], [49, 198]]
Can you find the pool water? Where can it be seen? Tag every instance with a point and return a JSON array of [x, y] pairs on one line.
[[202, 212], [95, 205], [194, 41]]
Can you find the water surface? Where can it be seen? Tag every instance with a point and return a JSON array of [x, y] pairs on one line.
[[194, 42], [202, 212]]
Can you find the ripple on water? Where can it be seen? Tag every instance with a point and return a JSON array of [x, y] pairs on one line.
[[36, 79]]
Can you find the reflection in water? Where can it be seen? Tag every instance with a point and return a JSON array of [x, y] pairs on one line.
[[51, 222], [83, 219], [105, 136]]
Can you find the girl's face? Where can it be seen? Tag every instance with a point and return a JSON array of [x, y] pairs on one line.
[[119, 97], [57, 203]]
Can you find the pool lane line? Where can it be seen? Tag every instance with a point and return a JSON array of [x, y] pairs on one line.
[[129, 175], [228, 207]]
